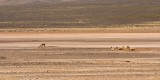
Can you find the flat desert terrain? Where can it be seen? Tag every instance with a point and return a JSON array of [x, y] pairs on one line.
[[79, 39], [79, 56]]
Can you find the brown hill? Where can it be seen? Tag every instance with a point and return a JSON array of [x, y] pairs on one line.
[[77, 13]]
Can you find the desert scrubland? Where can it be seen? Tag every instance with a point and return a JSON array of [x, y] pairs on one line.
[[79, 39], [80, 56]]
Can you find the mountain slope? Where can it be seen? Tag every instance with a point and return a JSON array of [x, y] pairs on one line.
[[77, 13]]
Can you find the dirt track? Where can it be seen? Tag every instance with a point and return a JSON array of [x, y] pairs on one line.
[[79, 56]]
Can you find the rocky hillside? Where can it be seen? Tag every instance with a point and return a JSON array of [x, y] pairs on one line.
[[77, 13]]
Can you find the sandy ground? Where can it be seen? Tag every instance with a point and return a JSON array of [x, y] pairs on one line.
[[110, 29], [79, 56]]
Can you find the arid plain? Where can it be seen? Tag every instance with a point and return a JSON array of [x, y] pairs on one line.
[[79, 56], [76, 37]]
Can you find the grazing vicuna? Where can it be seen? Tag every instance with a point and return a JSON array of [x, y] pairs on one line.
[[42, 45], [131, 49], [112, 48], [121, 48]]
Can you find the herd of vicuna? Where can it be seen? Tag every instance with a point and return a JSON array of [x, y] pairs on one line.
[[112, 48], [123, 48]]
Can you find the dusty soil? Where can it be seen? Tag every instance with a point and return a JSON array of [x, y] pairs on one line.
[[79, 56], [111, 29]]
